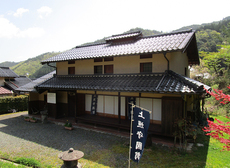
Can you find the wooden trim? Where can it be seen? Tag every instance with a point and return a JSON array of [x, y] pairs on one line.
[[155, 122], [98, 59], [108, 59], [71, 62], [119, 107], [71, 70], [146, 56], [107, 93]]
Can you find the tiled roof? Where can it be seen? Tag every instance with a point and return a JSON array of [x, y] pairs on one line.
[[4, 91], [178, 41], [167, 82], [17, 82], [122, 36], [7, 72], [29, 87]]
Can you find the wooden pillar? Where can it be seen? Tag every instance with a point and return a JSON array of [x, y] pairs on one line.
[[119, 107]]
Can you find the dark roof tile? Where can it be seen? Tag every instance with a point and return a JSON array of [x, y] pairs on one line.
[[17, 82], [148, 44], [7, 72], [29, 87], [167, 82]]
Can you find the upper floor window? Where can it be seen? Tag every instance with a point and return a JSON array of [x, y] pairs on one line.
[[71, 70], [71, 62], [108, 59], [98, 69], [145, 56], [108, 69], [146, 67], [98, 59]]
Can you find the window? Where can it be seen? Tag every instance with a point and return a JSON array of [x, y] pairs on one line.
[[98, 59], [71, 62], [185, 71], [71, 70], [146, 56], [108, 59], [146, 67], [98, 69], [108, 69]]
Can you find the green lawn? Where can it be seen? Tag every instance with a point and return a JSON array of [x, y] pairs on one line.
[[210, 155], [10, 165]]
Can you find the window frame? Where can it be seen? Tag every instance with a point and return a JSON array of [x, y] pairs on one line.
[[96, 70], [108, 59], [107, 68], [98, 59], [143, 68], [145, 56], [71, 62], [71, 70]]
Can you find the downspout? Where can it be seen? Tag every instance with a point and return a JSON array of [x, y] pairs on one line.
[[167, 60], [52, 66]]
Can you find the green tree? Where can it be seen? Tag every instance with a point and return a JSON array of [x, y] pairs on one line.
[[207, 40]]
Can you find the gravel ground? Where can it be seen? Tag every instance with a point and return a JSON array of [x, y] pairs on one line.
[[18, 137]]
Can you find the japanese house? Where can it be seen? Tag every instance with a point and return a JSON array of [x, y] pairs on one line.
[[10, 81], [96, 83]]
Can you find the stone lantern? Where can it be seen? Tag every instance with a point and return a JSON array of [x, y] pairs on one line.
[[70, 158]]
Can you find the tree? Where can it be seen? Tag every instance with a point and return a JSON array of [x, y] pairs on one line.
[[219, 130]]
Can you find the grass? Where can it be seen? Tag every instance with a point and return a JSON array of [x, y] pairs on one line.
[[10, 165], [28, 162], [209, 155]]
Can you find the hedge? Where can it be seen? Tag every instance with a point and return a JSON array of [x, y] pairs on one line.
[[19, 103]]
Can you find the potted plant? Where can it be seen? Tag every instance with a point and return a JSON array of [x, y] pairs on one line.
[[68, 125], [26, 118], [33, 119]]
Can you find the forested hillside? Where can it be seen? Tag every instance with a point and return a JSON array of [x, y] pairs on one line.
[[8, 64], [214, 70], [33, 67]]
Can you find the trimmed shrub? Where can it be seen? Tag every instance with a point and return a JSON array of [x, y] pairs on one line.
[[19, 103]]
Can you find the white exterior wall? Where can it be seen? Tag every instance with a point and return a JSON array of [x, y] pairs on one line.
[[129, 64]]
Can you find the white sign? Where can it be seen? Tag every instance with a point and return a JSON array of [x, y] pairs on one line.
[[51, 98]]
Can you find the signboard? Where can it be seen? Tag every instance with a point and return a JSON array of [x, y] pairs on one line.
[[140, 125], [51, 98]]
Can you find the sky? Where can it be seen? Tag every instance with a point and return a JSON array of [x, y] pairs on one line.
[[30, 28]]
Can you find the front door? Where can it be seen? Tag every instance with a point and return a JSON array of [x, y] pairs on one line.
[[172, 108], [71, 104], [80, 104]]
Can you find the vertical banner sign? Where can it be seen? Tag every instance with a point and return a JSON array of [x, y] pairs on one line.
[[141, 120]]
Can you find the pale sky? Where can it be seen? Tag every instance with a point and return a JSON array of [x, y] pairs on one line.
[[29, 28]]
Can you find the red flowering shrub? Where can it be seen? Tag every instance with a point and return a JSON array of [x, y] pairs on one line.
[[219, 130]]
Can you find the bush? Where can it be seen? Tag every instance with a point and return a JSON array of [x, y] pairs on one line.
[[28, 162], [19, 103]]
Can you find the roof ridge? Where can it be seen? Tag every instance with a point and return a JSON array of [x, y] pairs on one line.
[[171, 33], [91, 44], [137, 31], [5, 67]]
